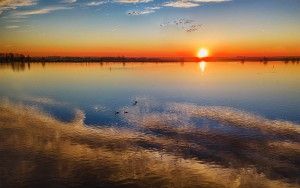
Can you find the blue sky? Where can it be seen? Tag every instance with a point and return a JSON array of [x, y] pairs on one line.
[[119, 26]]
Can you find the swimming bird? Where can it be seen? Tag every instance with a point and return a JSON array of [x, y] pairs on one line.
[[134, 103], [116, 112]]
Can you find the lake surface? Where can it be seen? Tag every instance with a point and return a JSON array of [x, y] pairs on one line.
[[206, 124]]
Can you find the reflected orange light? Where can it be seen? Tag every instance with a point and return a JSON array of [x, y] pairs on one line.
[[202, 66]]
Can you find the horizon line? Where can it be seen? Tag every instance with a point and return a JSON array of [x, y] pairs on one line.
[[152, 57]]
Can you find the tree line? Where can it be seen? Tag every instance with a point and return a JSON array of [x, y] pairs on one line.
[[20, 58], [13, 57]]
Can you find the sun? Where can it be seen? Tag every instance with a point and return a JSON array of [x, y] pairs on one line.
[[203, 52]]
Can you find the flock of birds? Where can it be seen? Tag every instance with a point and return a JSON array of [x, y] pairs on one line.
[[135, 13], [126, 112], [187, 25], [98, 109]]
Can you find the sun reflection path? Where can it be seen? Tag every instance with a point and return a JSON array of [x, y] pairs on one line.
[[202, 66]]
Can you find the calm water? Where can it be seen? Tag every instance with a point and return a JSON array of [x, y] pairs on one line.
[[201, 124]]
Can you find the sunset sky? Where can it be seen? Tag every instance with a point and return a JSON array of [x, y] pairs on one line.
[[150, 27]]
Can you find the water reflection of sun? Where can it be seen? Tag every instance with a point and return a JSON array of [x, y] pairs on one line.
[[202, 66]]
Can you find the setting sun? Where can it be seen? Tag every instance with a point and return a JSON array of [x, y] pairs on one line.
[[203, 52]]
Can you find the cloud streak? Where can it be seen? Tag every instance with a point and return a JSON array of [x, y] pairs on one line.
[[96, 3], [14, 4], [174, 4], [181, 4], [147, 10], [39, 11], [190, 3], [133, 1], [12, 27], [69, 1]]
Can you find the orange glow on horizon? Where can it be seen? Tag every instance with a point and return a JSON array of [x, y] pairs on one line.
[[158, 51]]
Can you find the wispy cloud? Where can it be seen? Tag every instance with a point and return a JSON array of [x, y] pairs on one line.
[[69, 1], [210, 1], [133, 1], [96, 3], [190, 3], [39, 11], [14, 4], [181, 4], [147, 10], [12, 27], [136, 13]]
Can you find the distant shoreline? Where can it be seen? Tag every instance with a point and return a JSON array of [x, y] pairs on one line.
[[10, 57]]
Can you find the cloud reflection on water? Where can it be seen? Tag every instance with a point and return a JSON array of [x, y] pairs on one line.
[[37, 149]]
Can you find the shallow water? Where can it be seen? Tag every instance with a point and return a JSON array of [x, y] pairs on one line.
[[216, 124]]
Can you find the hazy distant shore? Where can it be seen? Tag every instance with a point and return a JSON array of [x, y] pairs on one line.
[[11, 57]]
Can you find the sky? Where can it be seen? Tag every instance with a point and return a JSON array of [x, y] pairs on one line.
[[152, 28]]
